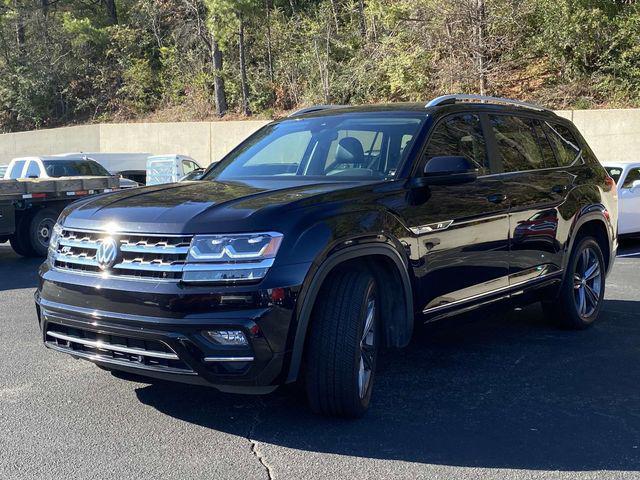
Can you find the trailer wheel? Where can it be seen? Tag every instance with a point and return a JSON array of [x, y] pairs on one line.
[[40, 229], [20, 239]]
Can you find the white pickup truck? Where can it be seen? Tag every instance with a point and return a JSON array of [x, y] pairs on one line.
[[627, 178]]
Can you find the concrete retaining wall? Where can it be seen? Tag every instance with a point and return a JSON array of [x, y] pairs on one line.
[[612, 134]]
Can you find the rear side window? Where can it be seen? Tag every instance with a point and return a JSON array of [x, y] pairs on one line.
[[518, 144], [564, 143], [632, 176], [16, 170], [459, 135], [33, 170]]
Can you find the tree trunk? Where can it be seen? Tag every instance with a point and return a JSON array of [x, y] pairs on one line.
[[362, 19], [19, 25], [481, 39], [218, 81], [112, 12], [269, 54], [334, 10], [243, 68]]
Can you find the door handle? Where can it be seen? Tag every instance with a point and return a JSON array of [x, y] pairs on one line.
[[559, 188], [497, 198]]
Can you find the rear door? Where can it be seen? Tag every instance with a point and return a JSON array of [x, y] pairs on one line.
[[629, 215], [536, 186], [462, 229]]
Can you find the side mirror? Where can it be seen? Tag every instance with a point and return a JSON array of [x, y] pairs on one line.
[[449, 170], [635, 185]]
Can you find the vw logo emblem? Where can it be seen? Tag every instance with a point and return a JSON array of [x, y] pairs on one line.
[[107, 253]]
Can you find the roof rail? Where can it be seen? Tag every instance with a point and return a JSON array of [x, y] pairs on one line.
[[314, 108], [461, 98]]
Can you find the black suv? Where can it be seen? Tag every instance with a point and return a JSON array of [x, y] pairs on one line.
[[323, 237]]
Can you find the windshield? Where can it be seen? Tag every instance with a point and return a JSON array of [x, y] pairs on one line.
[[74, 168], [356, 145]]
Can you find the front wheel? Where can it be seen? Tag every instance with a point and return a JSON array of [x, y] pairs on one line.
[[582, 291], [341, 353]]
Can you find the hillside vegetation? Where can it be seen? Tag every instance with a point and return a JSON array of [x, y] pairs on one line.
[[74, 61]]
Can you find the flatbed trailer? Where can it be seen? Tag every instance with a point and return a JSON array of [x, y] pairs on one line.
[[29, 208]]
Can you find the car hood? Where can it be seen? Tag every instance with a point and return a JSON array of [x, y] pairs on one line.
[[195, 207]]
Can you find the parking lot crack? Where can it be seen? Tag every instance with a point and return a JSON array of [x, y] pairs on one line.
[[255, 450]]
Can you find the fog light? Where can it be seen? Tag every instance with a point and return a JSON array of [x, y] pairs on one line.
[[227, 337]]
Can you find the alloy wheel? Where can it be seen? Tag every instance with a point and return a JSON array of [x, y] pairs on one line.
[[587, 283], [367, 347]]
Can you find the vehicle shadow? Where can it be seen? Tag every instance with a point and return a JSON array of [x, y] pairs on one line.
[[504, 391], [17, 272]]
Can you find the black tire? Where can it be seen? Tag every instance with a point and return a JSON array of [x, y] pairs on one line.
[[40, 229], [340, 358], [20, 241], [582, 292]]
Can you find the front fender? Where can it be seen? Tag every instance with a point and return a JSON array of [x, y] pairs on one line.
[[400, 335]]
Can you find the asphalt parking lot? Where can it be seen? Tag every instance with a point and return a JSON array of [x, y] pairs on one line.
[[501, 396]]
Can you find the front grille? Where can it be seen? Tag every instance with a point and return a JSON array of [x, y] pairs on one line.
[[154, 257], [135, 352]]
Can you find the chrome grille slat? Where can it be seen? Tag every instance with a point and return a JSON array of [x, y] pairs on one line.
[[76, 259], [144, 266], [114, 348], [101, 347], [79, 243], [154, 249], [141, 256]]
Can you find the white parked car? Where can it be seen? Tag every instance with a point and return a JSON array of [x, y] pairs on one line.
[[59, 166], [169, 168], [627, 178]]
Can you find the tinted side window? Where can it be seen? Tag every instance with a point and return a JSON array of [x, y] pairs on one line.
[[564, 143], [33, 170], [545, 145], [459, 135], [517, 143], [632, 176], [16, 171]]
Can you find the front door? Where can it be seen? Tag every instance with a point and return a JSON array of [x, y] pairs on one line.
[[461, 229]]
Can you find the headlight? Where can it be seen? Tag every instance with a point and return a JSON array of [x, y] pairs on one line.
[[54, 241], [228, 258], [55, 237]]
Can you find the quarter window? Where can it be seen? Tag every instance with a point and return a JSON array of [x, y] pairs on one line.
[[632, 176], [564, 143], [518, 144], [459, 135]]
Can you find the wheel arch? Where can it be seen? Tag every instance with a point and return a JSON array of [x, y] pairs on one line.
[[397, 331], [594, 223]]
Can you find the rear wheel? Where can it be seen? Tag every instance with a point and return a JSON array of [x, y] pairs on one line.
[[582, 291], [341, 353], [40, 229], [20, 241]]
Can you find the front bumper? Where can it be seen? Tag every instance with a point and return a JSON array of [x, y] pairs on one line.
[[155, 329]]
